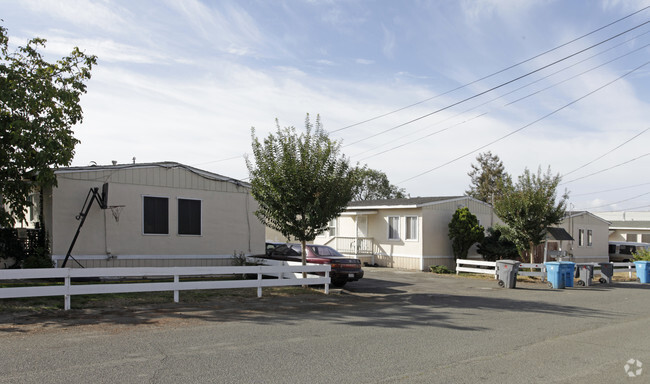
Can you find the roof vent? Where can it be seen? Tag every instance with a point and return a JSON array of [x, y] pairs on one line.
[[114, 162]]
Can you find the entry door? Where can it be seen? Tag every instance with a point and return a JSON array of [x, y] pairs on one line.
[[362, 226]]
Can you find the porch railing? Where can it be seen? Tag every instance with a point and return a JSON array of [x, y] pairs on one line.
[[355, 245]]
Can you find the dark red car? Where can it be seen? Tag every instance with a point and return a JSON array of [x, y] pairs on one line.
[[344, 269]]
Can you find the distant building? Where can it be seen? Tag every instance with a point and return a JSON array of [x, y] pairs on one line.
[[628, 226]]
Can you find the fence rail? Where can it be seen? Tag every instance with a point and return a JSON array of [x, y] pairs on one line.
[[288, 276], [536, 269]]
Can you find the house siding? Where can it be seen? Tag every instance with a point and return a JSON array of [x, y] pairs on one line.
[[228, 224]]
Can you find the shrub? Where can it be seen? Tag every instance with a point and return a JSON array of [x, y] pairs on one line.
[[642, 254], [441, 269]]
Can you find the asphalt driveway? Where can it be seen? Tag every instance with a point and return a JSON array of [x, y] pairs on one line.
[[392, 326]]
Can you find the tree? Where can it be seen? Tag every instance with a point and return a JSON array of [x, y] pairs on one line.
[[496, 247], [299, 181], [464, 231], [374, 185], [529, 207], [39, 105], [489, 178]]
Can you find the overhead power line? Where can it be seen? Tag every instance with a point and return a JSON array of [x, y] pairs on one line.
[[610, 190], [498, 86], [528, 125], [508, 104], [621, 201], [607, 169], [492, 74], [607, 153]]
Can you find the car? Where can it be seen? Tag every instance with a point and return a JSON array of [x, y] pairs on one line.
[[344, 269], [623, 251]]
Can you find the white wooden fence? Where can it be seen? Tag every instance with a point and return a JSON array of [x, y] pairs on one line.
[[288, 276], [489, 268]]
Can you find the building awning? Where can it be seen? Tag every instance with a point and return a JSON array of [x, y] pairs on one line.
[[558, 234], [359, 213]]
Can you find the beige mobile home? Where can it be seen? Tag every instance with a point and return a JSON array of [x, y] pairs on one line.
[[169, 215], [402, 233], [590, 234]]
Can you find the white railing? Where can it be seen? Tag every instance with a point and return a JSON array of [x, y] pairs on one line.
[[624, 267], [289, 275], [489, 271], [538, 268]]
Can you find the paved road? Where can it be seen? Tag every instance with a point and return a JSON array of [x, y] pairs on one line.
[[391, 327]]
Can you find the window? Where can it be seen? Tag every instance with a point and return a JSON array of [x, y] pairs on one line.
[[411, 227], [155, 215], [581, 237], [332, 228], [590, 238], [393, 227], [189, 217]]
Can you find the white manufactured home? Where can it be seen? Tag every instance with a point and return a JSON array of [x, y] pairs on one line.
[[154, 214], [407, 233]]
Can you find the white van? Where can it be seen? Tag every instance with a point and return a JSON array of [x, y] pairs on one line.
[[623, 251]]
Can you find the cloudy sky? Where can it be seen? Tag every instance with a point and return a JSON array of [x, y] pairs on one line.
[[416, 89]]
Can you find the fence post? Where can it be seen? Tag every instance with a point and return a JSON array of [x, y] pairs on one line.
[[66, 297], [259, 284], [629, 267], [176, 281], [327, 286]]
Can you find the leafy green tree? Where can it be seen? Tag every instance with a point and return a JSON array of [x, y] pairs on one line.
[[464, 231], [495, 246], [489, 178], [39, 105], [529, 207], [374, 185], [642, 254], [300, 181]]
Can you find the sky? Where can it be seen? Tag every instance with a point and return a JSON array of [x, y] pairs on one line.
[[416, 89]]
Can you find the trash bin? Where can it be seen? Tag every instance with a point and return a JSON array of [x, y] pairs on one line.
[[554, 275], [507, 273], [566, 269], [606, 273], [585, 272], [642, 271]]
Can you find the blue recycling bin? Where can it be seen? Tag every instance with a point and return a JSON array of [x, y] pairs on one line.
[[642, 271], [567, 269], [553, 275], [559, 274]]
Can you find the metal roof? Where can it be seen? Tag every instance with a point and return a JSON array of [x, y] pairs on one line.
[[558, 234], [411, 202], [163, 164]]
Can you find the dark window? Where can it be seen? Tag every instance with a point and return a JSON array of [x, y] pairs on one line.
[[189, 217], [156, 215]]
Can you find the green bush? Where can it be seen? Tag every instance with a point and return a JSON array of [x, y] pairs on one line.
[[642, 254], [439, 269]]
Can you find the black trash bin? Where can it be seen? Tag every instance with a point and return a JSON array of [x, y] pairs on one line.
[[606, 273], [507, 273]]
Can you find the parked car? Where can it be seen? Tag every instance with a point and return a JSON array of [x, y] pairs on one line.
[[344, 269], [623, 251]]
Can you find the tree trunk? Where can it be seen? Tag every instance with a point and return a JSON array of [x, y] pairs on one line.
[[532, 252], [303, 245]]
